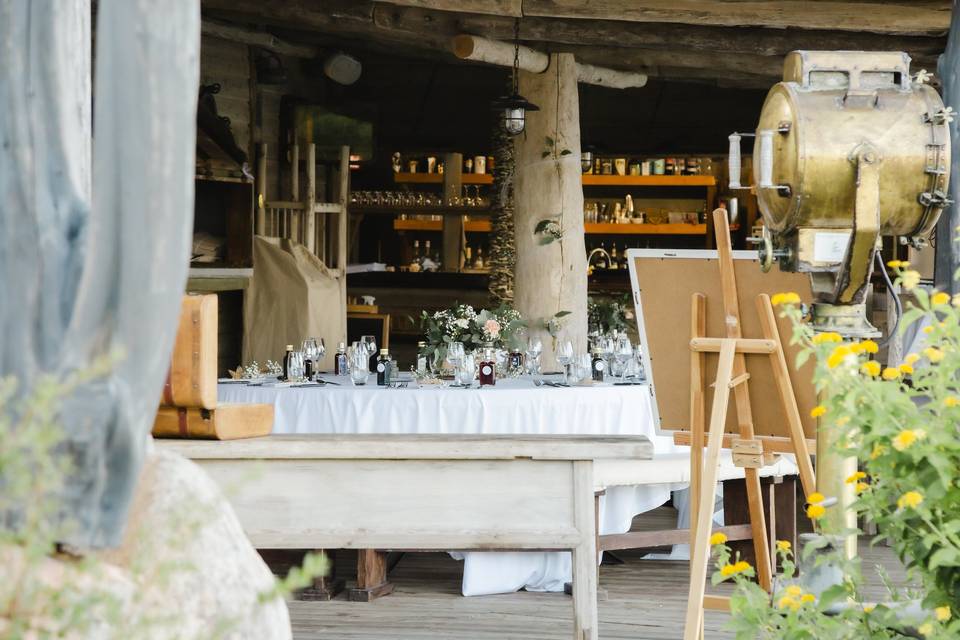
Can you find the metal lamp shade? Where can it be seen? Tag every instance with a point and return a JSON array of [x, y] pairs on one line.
[[513, 112]]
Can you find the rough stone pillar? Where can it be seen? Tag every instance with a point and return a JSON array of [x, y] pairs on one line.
[[551, 278]]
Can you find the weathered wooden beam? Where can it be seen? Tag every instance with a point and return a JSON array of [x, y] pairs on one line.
[[260, 39], [876, 17], [947, 256], [673, 37], [512, 8], [479, 49]]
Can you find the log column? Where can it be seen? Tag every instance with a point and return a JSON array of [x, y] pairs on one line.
[[551, 278]]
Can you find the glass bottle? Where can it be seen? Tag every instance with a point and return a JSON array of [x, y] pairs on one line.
[[383, 368], [416, 253], [478, 263], [614, 257], [340, 361], [515, 361], [426, 251], [488, 366], [602, 258], [598, 366], [422, 366], [286, 362]]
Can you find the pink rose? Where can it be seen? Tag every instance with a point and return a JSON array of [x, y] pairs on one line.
[[492, 327]]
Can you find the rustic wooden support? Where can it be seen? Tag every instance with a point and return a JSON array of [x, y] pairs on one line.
[[260, 39], [261, 224], [309, 215], [947, 256], [371, 576], [551, 278], [469, 47], [452, 225]]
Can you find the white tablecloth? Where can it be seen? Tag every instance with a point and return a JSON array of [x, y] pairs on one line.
[[512, 406]]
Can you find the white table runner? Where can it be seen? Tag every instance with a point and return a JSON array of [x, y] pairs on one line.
[[512, 406]]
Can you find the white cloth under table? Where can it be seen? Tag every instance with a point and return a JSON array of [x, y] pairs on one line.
[[513, 406]]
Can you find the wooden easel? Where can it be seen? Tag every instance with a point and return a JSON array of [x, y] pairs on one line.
[[748, 450]]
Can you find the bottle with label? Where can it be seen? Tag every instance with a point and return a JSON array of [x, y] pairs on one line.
[[383, 368], [416, 255], [598, 366], [515, 360], [488, 366], [614, 257], [340, 361], [422, 360], [426, 251], [286, 363]]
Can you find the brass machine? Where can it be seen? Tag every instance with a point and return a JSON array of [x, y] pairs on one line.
[[849, 148]]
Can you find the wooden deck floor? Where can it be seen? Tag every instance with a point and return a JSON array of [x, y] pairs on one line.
[[645, 601]]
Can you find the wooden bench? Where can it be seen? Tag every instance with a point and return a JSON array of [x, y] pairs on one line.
[[421, 492]]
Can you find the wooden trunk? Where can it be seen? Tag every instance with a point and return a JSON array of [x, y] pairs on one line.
[[192, 380], [551, 278], [226, 422]]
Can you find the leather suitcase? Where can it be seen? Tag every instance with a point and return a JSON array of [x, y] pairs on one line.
[[192, 379], [226, 422]]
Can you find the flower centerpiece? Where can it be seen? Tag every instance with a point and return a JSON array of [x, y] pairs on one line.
[[500, 328]]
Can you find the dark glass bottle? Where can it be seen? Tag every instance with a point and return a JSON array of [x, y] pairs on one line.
[[516, 359], [488, 367], [383, 368], [308, 368], [340, 361], [598, 366], [286, 363]]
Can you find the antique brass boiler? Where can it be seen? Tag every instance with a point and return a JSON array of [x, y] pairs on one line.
[[849, 148]]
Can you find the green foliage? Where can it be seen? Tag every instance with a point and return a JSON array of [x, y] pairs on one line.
[[608, 313], [501, 327]]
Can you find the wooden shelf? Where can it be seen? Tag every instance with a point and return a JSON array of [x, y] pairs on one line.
[[418, 211], [649, 181], [677, 229], [479, 226], [437, 178]]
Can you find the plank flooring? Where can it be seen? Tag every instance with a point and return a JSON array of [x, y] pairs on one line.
[[645, 601]]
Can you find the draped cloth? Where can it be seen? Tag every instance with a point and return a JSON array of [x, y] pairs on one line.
[[96, 230]]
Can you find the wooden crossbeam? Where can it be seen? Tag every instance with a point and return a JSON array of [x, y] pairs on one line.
[[743, 345]]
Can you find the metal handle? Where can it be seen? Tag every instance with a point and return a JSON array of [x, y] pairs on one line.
[[735, 161], [766, 158]]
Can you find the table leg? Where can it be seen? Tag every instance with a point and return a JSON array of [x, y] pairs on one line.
[[324, 588], [585, 621], [371, 576]]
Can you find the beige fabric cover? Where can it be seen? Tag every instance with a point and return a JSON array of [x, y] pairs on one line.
[[292, 296]]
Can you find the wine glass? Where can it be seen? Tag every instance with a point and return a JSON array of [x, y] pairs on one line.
[[564, 357], [533, 351], [359, 364], [310, 350], [370, 342], [622, 352], [321, 351], [455, 355]]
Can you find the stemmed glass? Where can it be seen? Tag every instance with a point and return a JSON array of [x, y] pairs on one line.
[[455, 355], [533, 351], [311, 351], [370, 342], [623, 352], [565, 357]]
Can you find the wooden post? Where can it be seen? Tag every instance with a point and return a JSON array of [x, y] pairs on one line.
[[452, 225], [551, 278], [262, 191], [947, 256], [371, 576], [309, 221]]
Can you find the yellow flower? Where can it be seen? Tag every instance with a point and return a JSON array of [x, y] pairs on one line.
[[871, 368], [837, 356], [857, 348], [794, 591], [853, 477], [785, 298], [861, 487], [910, 279], [815, 511], [928, 330], [905, 369], [786, 602], [727, 570], [925, 629], [878, 450], [911, 499], [940, 298], [741, 566], [818, 411], [815, 498], [933, 354], [718, 538], [911, 358], [867, 608], [829, 336], [951, 401], [890, 374], [842, 421], [870, 346], [942, 613], [783, 545], [808, 597], [893, 264], [904, 439]]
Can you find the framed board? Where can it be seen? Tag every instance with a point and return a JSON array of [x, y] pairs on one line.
[[663, 282]]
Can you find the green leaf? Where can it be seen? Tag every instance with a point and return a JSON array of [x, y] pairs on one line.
[[550, 142], [566, 152], [946, 557], [802, 357], [560, 314], [545, 154]]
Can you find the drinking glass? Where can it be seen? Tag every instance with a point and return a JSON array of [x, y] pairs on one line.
[[310, 350], [467, 370], [623, 353], [295, 366], [533, 351], [370, 342], [455, 355], [584, 367], [321, 351], [564, 357], [359, 365]]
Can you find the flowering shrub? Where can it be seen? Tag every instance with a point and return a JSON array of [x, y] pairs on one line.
[[902, 423], [462, 323]]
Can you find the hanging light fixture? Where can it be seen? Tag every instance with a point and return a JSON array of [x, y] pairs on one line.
[[513, 108]]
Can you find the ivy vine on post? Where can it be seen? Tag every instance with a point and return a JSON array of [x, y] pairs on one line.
[[551, 229]]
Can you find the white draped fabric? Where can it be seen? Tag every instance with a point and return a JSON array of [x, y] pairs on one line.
[[512, 406]]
